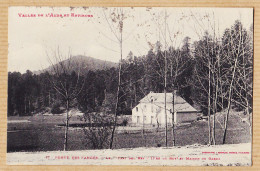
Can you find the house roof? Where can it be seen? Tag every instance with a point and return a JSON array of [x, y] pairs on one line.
[[180, 105]]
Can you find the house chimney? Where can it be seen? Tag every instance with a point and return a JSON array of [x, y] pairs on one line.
[[175, 92]]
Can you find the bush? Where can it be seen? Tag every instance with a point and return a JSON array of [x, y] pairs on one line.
[[125, 122], [57, 109], [97, 136]]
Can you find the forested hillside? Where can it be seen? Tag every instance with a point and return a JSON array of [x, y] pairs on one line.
[[88, 63]]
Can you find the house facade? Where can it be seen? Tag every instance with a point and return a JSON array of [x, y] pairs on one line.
[[151, 110]]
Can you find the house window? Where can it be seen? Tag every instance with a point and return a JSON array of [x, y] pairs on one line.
[[136, 109], [152, 104], [138, 119]]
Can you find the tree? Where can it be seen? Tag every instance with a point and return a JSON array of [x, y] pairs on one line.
[[15, 94], [97, 105], [202, 76], [23, 93], [174, 68], [115, 20], [180, 70], [208, 75], [219, 76], [237, 48], [67, 82]]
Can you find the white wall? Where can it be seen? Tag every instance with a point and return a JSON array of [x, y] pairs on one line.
[[148, 113]]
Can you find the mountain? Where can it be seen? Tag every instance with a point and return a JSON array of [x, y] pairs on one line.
[[86, 62]]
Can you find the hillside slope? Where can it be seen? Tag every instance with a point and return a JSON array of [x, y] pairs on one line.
[[86, 62]]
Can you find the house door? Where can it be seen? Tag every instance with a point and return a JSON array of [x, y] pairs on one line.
[[138, 119]]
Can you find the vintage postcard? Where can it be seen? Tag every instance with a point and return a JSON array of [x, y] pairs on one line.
[[130, 86]]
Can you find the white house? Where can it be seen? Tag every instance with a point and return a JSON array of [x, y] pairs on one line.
[[151, 111]]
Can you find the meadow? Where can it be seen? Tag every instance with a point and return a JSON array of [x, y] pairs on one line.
[[42, 133]]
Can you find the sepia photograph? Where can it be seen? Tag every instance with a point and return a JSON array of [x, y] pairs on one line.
[[152, 86]]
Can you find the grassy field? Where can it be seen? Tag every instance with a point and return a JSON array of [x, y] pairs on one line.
[[42, 134]]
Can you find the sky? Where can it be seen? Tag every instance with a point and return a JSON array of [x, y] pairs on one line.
[[33, 40]]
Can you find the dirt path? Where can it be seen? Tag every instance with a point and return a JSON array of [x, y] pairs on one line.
[[195, 155]]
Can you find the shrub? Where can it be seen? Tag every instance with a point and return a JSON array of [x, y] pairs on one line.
[[97, 136], [56, 109], [125, 122]]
